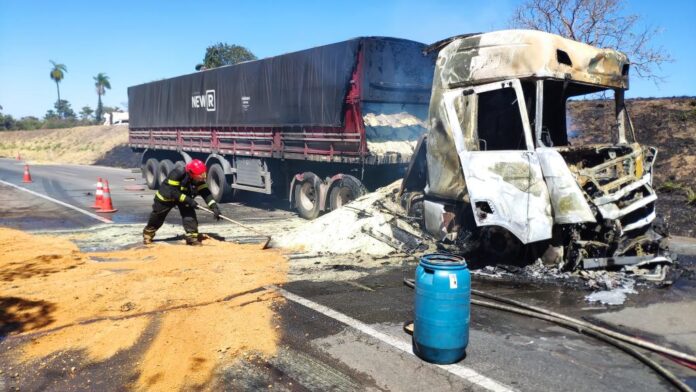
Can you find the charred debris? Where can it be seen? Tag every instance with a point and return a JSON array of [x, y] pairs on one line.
[[500, 178]]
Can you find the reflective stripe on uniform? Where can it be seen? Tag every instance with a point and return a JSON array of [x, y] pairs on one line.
[[202, 186], [172, 182], [159, 196], [182, 198], [183, 188], [210, 203], [192, 234]]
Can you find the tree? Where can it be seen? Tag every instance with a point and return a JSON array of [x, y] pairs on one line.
[[64, 109], [86, 112], [601, 23], [57, 74], [224, 54], [50, 115], [101, 82]]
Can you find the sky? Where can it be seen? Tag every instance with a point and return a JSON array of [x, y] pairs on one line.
[[136, 42]]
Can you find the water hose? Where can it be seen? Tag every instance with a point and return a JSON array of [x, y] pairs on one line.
[[580, 327], [616, 335]]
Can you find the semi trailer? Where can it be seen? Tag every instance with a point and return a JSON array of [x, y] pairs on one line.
[[320, 126], [499, 172]]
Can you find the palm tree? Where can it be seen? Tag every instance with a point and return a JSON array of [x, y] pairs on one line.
[[101, 82], [57, 74]]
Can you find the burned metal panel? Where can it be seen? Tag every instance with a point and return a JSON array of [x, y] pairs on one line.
[[622, 182], [510, 54], [507, 189], [569, 204]]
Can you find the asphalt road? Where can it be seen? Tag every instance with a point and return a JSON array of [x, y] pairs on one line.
[[347, 335]]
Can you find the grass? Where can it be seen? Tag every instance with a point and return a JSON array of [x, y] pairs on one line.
[[670, 186], [690, 196]]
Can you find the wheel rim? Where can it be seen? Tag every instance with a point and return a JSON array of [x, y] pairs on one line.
[[215, 184], [307, 196], [151, 171], [343, 196]]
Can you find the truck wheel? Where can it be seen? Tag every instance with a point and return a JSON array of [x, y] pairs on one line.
[[165, 167], [217, 184], [344, 191], [151, 173], [307, 196]]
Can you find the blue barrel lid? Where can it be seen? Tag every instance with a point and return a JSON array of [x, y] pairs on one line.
[[442, 261]]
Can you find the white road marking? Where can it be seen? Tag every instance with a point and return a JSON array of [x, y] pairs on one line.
[[464, 372], [91, 215]]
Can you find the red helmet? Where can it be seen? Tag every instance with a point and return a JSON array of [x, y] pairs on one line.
[[195, 168]]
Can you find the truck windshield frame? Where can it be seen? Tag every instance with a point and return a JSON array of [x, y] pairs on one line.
[[542, 97]]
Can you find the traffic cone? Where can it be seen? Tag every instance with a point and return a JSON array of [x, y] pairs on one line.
[[19, 157], [106, 203], [27, 175], [99, 194]]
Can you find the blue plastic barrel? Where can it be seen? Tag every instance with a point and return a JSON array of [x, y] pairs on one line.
[[443, 299]]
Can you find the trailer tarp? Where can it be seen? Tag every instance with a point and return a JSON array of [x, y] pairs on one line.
[[305, 88]]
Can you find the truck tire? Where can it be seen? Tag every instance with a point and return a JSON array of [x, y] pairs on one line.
[[344, 191], [306, 196], [151, 173], [217, 184], [165, 167]]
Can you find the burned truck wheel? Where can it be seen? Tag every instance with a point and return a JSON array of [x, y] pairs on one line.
[[151, 173], [165, 167], [217, 183], [344, 191], [306, 196]]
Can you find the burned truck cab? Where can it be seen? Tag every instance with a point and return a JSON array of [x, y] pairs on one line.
[[503, 168]]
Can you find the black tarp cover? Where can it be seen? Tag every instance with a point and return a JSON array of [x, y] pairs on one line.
[[305, 88]]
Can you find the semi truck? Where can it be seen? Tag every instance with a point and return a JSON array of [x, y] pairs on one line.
[[500, 172], [320, 126]]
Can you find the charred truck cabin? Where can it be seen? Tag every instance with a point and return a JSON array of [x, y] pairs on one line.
[[320, 126], [499, 172]]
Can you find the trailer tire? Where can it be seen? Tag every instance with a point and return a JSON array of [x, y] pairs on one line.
[[306, 196], [151, 173], [344, 191], [165, 167], [217, 184]]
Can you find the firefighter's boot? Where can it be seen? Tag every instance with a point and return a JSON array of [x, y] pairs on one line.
[[148, 236], [193, 240]]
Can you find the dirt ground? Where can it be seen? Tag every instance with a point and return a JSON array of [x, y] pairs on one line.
[[206, 305], [102, 145]]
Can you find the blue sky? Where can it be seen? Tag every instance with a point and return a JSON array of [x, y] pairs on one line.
[[139, 41]]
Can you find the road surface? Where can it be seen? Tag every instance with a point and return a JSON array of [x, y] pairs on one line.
[[347, 334]]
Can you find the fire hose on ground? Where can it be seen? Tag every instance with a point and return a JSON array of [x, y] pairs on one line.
[[614, 338]]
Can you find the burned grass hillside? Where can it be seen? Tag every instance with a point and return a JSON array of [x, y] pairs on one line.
[[669, 124]]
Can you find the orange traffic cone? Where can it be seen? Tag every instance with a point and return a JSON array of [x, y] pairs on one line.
[[106, 203], [99, 194], [27, 175], [19, 157]]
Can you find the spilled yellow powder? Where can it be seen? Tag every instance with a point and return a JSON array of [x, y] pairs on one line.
[[206, 304]]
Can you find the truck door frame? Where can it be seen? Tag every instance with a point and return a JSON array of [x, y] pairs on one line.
[[497, 181]]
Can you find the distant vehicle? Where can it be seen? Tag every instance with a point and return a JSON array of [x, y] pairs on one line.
[[497, 171], [116, 118], [320, 126]]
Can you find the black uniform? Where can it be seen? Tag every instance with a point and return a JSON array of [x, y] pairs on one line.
[[178, 190]]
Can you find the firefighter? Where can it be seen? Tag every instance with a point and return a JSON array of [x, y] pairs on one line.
[[179, 190]]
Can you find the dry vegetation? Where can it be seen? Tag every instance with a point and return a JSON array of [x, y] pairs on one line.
[[80, 145], [670, 125]]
